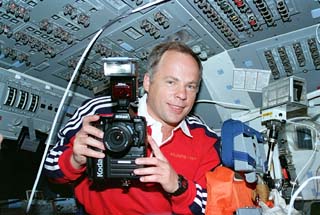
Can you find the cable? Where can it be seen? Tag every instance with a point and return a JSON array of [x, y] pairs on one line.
[[302, 170], [299, 118], [225, 104], [303, 185], [57, 116], [93, 40], [306, 125], [292, 121]]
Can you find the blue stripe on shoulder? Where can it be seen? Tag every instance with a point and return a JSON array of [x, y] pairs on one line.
[[194, 122]]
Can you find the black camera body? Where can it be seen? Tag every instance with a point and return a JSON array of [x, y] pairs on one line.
[[124, 139], [124, 132]]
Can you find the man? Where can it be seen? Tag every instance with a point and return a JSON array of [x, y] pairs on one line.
[[181, 148]]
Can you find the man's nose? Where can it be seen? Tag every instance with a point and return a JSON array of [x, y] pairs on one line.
[[181, 93]]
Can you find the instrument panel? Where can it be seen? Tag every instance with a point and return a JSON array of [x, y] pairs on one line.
[[45, 40]]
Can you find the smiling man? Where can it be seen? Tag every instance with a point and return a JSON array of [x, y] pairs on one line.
[[181, 149]]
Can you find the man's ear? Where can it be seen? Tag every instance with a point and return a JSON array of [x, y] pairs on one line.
[[146, 82]]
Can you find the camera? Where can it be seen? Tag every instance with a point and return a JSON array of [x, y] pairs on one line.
[[124, 132]]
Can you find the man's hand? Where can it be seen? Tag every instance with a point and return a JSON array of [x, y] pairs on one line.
[[157, 169], [87, 137]]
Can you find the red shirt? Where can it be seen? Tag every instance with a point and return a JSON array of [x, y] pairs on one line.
[[191, 157]]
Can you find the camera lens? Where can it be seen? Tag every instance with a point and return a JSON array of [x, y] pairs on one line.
[[118, 137]]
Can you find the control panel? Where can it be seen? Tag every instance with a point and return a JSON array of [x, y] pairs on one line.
[[31, 103]]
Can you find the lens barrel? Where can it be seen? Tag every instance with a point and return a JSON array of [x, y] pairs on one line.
[[118, 137]]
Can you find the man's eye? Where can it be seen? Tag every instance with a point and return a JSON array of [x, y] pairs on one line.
[[192, 87], [170, 82]]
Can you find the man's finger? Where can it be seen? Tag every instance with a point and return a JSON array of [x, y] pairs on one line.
[[89, 128], [155, 149]]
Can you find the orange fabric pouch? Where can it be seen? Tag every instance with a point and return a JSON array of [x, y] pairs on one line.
[[225, 193]]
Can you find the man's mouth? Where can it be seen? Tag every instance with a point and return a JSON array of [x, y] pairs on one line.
[[176, 108]]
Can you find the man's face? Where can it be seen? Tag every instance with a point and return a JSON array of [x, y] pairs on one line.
[[173, 89]]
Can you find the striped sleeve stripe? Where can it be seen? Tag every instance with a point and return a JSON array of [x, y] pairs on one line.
[[91, 109], [77, 115], [77, 124], [52, 160], [199, 204], [52, 168], [92, 102], [55, 153], [57, 150], [196, 121], [194, 124]]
